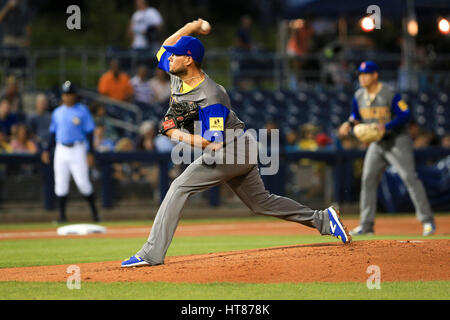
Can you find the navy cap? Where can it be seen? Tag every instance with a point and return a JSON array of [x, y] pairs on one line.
[[68, 88], [188, 46], [368, 67]]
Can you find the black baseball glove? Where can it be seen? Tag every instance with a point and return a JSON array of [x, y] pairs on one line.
[[181, 115]]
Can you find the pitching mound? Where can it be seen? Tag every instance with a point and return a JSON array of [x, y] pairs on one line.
[[330, 262]]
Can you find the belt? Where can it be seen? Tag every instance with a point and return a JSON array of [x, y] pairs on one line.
[[72, 144]]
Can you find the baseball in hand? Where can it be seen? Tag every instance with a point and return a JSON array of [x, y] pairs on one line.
[[205, 26]]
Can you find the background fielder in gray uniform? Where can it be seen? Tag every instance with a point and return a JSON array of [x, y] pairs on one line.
[[181, 56], [376, 102]]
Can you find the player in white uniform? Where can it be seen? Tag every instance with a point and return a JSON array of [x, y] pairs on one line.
[[71, 131]]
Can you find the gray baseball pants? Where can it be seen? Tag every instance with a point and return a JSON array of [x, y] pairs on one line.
[[398, 152], [245, 181]]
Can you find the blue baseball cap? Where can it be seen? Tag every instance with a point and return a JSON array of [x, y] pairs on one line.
[[368, 67], [188, 46]]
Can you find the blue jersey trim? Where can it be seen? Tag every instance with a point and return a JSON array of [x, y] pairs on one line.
[[213, 111], [401, 118], [355, 111]]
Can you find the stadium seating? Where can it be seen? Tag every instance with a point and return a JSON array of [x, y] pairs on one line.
[[327, 108]]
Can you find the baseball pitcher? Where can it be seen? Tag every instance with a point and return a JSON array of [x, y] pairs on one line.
[[192, 89]]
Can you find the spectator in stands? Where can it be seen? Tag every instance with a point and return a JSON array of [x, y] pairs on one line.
[[414, 129], [115, 84], [308, 134], [7, 118], [243, 40], [15, 22], [146, 142], [5, 147], [160, 86], [101, 143], [125, 172], [39, 121], [145, 27], [314, 171], [348, 142], [323, 140], [141, 86], [243, 47], [13, 95], [423, 140], [98, 111], [271, 125], [292, 141], [146, 139], [299, 44], [124, 145], [445, 141], [21, 141]]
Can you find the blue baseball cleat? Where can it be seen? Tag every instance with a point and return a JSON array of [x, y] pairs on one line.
[[337, 229], [134, 261]]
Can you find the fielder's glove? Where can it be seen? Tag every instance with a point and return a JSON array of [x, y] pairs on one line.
[[181, 115], [368, 132]]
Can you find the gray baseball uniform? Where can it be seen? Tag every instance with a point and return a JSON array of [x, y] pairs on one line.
[[396, 149], [216, 116]]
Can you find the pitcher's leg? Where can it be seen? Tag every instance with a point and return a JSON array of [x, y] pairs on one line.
[[195, 178], [373, 168], [402, 158], [165, 223], [251, 190]]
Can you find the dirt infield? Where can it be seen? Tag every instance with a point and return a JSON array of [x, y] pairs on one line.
[[399, 260]]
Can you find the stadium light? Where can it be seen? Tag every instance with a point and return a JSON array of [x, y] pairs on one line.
[[413, 28], [367, 24], [444, 26]]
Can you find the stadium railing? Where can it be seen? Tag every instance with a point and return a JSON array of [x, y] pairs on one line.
[[340, 160]]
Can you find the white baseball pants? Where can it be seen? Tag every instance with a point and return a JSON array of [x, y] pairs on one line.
[[71, 161]]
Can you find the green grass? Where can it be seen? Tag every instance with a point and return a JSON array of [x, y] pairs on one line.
[[225, 291]]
